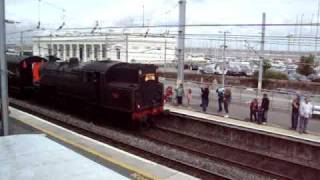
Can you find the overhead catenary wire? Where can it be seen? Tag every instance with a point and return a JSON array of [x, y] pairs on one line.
[[197, 25], [231, 39]]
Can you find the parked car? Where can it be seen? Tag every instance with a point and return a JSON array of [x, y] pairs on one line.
[[314, 76], [213, 69], [194, 67], [210, 69], [235, 71], [219, 70], [298, 77], [247, 70]]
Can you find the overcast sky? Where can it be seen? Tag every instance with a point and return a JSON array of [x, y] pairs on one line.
[[84, 13]]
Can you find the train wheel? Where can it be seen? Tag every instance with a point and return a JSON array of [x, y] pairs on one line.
[[134, 125], [151, 122]]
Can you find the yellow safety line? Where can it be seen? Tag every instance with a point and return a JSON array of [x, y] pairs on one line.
[[91, 151]]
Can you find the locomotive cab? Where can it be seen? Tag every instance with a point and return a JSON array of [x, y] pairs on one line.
[[149, 99], [145, 96], [23, 72]]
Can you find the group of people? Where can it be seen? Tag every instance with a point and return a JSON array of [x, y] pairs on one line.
[[224, 97], [301, 106], [301, 113], [258, 113]]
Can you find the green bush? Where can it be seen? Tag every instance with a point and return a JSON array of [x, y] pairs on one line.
[[270, 74], [306, 64]]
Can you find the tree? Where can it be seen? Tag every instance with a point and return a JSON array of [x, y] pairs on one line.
[[266, 65], [270, 74], [306, 64]]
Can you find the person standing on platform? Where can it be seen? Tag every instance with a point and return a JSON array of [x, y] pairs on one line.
[[189, 97], [295, 112], [214, 82], [265, 108], [226, 101], [168, 94], [204, 98], [179, 94], [254, 109], [305, 114], [220, 92]]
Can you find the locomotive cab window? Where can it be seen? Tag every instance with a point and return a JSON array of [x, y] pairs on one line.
[[87, 77], [123, 75], [149, 77], [90, 77]]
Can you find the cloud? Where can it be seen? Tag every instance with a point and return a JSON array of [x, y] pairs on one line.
[[129, 12]]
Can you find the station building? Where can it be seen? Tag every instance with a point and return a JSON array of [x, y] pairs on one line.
[[120, 47]]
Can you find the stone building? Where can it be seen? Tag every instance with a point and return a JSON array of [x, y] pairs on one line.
[[126, 48]]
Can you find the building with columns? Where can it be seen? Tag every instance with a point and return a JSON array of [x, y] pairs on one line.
[[126, 48]]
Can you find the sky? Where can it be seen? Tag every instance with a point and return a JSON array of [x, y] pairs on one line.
[[109, 12], [85, 13]]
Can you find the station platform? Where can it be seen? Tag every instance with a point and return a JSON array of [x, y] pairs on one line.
[[126, 165], [269, 130], [34, 156]]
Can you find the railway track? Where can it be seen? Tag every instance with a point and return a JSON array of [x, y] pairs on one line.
[[214, 157], [126, 140], [177, 149]]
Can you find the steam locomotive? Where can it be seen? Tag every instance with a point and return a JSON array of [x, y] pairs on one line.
[[133, 89]]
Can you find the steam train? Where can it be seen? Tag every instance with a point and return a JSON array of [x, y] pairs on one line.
[[133, 89]]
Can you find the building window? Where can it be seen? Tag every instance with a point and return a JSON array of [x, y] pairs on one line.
[[88, 51], [49, 49], [55, 50], [104, 53], [95, 51], [118, 53], [67, 50], [61, 49], [74, 50]]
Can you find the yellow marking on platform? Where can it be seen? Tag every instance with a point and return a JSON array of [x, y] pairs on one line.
[[138, 173]]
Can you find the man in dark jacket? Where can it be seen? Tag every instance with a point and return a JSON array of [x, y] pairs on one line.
[[265, 108], [226, 101], [204, 98], [220, 92], [295, 112]]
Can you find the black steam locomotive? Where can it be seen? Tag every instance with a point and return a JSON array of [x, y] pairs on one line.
[[132, 89]]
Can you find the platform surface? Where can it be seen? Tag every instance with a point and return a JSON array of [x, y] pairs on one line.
[[248, 126], [36, 157], [128, 164]]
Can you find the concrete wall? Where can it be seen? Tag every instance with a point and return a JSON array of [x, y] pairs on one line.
[[296, 151]]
